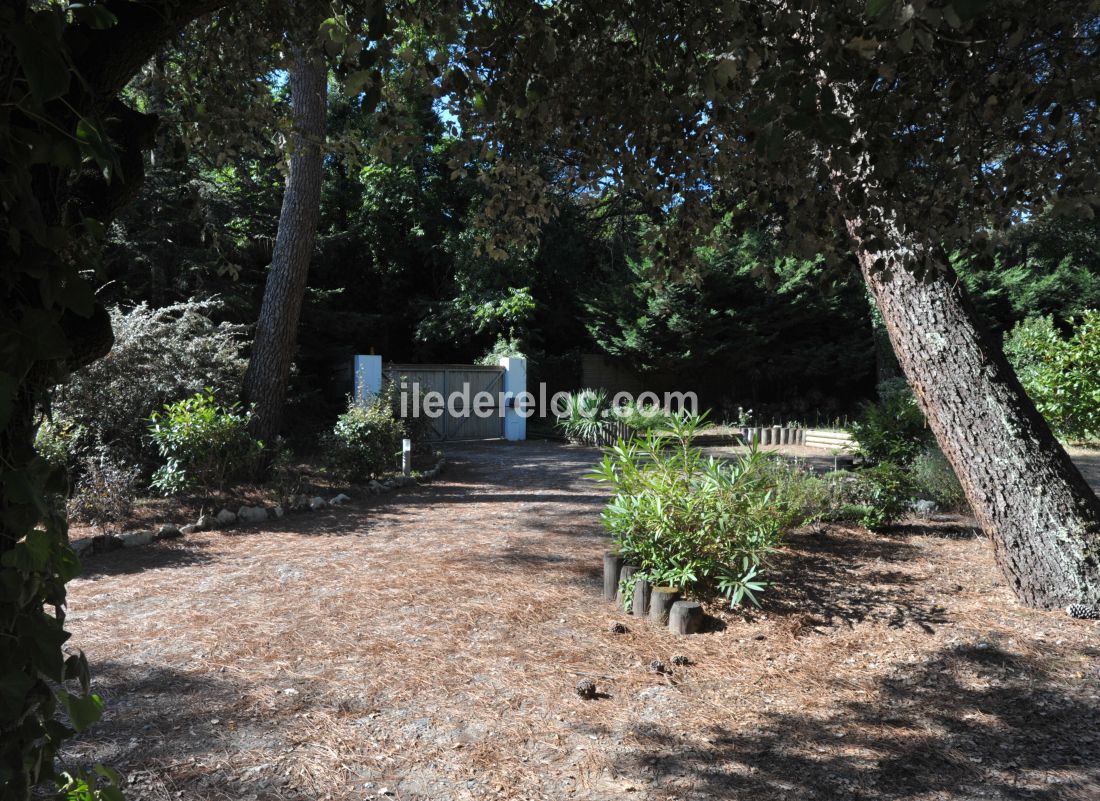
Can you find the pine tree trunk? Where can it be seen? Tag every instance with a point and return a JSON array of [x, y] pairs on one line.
[[1029, 498], [273, 349]]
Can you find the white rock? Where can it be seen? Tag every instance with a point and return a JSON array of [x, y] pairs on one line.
[[340, 500], [133, 539], [225, 518], [251, 514], [924, 508], [190, 528], [168, 532], [317, 502], [278, 512]]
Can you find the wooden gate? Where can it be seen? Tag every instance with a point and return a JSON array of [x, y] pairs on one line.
[[458, 419]]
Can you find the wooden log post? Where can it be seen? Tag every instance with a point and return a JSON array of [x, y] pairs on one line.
[[686, 617], [661, 600], [639, 603], [626, 572], [612, 564]]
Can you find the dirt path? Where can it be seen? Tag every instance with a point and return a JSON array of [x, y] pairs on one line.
[[425, 646]]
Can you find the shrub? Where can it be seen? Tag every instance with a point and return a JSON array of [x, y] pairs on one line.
[[873, 497], [584, 415], [1061, 375], [893, 428], [366, 440], [689, 520], [418, 428], [160, 356], [104, 493], [934, 479], [203, 444], [589, 418], [56, 442]]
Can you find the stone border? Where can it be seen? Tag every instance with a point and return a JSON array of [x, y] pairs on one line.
[[245, 515]]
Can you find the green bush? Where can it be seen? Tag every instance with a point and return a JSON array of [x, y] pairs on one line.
[[689, 520], [1061, 374], [159, 356], [584, 415], [203, 444], [416, 428], [892, 429], [588, 417], [934, 479], [873, 497], [366, 440], [56, 442]]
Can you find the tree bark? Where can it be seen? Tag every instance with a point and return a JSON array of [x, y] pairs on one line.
[[1041, 516], [277, 330]]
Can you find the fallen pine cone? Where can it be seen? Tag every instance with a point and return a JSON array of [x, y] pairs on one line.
[[679, 660], [617, 628], [1082, 612], [657, 666], [586, 688]]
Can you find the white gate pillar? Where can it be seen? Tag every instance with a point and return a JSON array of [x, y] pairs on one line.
[[515, 384], [368, 377]]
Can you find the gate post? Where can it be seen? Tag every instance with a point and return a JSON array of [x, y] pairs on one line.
[[368, 377], [515, 383]]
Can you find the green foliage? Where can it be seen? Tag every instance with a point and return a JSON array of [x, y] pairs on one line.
[[689, 520], [103, 786], [933, 478], [56, 442], [589, 418], [104, 493], [160, 356], [873, 497], [202, 443], [770, 324], [583, 416], [366, 440], [892, 429], [1061, 373]]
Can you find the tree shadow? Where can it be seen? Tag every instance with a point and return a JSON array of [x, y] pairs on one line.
[[155, 556], [969, 721], [828, 579]]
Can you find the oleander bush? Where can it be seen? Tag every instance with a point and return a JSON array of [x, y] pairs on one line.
[[692, 521]]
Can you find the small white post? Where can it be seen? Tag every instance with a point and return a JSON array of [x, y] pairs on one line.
[[515, 384], [407, 456], [368, 377]]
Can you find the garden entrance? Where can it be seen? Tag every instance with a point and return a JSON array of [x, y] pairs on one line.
[[472, 397]]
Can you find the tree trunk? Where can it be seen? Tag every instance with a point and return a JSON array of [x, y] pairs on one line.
[[1029, 498], [273, 349]]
